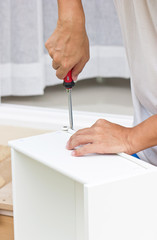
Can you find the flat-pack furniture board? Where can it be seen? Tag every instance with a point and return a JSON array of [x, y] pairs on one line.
[[94, 197], [6, 206]]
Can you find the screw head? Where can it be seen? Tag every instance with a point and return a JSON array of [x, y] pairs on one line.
[[65, 128]]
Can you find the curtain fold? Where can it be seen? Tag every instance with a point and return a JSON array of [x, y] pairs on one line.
[[25, 25]]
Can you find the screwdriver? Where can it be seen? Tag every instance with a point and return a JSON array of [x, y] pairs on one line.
[[68, 84]]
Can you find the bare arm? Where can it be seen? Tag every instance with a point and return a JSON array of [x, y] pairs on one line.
[[144, 135], [107, 137], [70, 10], [68, 45]]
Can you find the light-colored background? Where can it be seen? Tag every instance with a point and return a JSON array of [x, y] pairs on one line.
[[25, 67], [110, 96], [25, 25]]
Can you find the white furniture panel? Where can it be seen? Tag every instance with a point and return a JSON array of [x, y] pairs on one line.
[[95, 197], [45, 204], [124, 209]]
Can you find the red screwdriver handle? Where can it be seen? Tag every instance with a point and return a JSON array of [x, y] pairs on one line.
[[68, 81]]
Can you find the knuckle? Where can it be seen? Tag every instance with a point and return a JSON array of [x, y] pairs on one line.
[[49, 47], [78, 132], [50, 51], [47, 44], [53, 64], [56, 58], [99, 122], [75, 141], [97, 129]]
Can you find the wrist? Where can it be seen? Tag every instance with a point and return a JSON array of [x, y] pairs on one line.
[[136, 142], [71, 21], [129, 141], [71, 12], [70, 25], [143, 135]]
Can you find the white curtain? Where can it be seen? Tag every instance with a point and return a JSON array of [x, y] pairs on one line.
[[25, 67]]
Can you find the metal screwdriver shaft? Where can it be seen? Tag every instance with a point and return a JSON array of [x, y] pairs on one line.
[[70, 108], [68, 84]]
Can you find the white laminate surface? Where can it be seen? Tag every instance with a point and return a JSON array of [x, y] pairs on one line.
[[50, 149]]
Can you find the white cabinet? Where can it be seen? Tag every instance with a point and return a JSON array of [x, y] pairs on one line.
[[96, 197]]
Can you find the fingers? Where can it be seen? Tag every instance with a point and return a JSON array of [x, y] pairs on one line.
[[62, 69], [77, 69], [81, 131], [86, 149], [61, 65], [102, 137], [49, 47], [61, 72], [55, 65], [82, 136], [79, 140], [62, 62]]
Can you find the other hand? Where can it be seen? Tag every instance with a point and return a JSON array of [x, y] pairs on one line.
[[103, 137]]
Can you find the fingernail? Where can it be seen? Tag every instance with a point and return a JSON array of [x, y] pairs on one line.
[[67, 145], [73, 153]]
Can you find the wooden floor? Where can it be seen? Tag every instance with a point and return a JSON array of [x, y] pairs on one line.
[[6, 228], [6, 222]]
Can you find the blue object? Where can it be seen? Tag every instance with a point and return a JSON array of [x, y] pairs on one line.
[[135, 155]]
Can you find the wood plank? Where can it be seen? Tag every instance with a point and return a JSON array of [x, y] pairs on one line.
[[6, 185], [6, 228], [5, 170], [6, 202], [2, 181], [4, 152], [12, 132]]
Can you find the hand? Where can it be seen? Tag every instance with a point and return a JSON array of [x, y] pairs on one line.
[[103, 137], [68, 46]]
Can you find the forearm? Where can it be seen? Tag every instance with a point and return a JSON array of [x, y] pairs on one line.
[[71, 11], [144, 135]]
